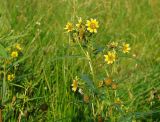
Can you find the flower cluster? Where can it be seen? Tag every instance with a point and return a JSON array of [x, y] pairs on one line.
[[11, 77], [108, 82], [91, 25], [113, 48], [82, 29], [15, 52]]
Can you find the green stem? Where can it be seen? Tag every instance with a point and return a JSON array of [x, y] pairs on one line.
[[4, 84], [89, 59], [90, 65]]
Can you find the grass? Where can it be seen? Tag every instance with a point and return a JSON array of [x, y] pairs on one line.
[[49, 64]]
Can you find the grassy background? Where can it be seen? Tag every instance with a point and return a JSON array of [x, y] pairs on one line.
[[49, 64]]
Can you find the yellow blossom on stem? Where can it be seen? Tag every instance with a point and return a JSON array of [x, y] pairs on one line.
[[126, 48], [92, 25], [14, 54], [11, 77], [110, 57], [18, 47], [113, 45], [69, 27], [74, 85]]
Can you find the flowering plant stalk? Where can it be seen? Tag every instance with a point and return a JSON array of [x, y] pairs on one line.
[[101, 95]]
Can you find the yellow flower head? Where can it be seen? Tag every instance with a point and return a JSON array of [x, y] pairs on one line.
[[113, 45], [79, 23], [11, 77], [69, 27], [110, 57], [14, 54], [74, 85], [126, 48], [18, 47], [92, 25]]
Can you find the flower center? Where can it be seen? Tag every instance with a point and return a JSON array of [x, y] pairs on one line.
[[69, 27], [93, 25], [125, 48], [111, 57]]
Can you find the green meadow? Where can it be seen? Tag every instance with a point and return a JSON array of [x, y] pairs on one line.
[[48, 74]]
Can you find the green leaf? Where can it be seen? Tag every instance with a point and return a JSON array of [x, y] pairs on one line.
[[14, 37], [20, 60], [3, 52], [98, 50], [89, 82]]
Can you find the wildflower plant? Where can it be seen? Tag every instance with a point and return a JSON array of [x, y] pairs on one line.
[[15, 89], [100, 93], [9, 57]]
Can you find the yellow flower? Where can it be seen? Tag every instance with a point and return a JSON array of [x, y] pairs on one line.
[[126, 48], [79, 23], [74, 85], [113, 45], [18, 47], [14, 54], [92, 25], [110, 57], [69, 27], [11, 77]]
